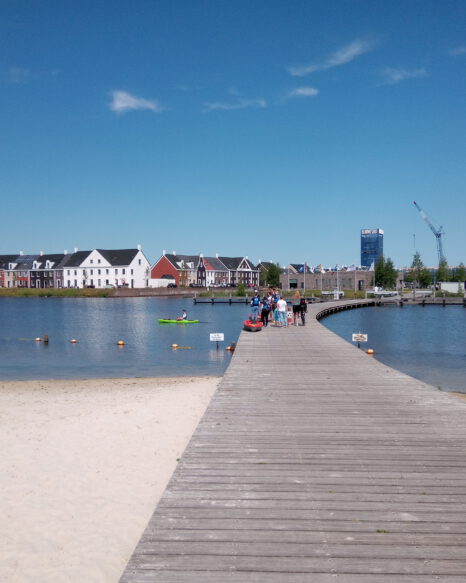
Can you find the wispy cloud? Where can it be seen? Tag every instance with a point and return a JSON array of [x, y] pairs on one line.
[[302, 92], [18, 75], [458, 51], [341, 57], [394, 76], [238, 104], [122, 102]]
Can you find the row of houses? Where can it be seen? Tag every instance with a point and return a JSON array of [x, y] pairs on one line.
[[97, 268], [100, 268]]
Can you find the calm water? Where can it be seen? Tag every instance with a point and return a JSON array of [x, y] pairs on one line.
[[98, 324], [428, 343]]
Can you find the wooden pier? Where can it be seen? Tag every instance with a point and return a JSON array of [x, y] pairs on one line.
[[314, 463]]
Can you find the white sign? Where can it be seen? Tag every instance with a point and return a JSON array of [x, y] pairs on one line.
[[359, 337], [217, 337]]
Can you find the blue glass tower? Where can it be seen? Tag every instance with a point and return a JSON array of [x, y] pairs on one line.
[[371, 246]]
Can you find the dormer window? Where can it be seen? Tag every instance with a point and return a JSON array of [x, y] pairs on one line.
[[92, 261]]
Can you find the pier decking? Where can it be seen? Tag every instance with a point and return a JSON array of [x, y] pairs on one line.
[[314, 463]]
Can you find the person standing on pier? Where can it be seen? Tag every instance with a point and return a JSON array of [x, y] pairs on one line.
[[265, 311], [303, 312], [255, 303], [282, 308], [296, 305]]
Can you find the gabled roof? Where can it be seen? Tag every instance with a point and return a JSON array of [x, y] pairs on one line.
[[118, 256], [6, 259], [175, 260], [25, 262], [214, 264], [54, 258], [265, 264], [231, 263], [75, 259]]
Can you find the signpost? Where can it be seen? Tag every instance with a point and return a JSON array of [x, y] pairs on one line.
[[217, 337], [359, 338]]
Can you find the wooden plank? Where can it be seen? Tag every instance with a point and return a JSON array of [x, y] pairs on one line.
[[314, 460]]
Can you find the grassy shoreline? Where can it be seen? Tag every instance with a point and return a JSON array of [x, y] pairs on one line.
[[25, 292]]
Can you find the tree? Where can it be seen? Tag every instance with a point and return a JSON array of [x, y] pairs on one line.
[[241, 290], [460, 273], [273, 275], [419, 273], [443, 272], [385, 273]]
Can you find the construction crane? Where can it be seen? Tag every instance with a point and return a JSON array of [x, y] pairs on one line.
[[437, 232]]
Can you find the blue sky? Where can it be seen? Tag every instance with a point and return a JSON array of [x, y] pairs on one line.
[[274, 129]]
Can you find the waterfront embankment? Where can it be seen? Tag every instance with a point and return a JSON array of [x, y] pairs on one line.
[[83, 464]]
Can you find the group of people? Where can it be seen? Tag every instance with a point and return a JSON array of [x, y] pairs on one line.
[[274, 306]]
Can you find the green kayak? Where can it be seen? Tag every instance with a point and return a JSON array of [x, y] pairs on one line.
[[166, 321]]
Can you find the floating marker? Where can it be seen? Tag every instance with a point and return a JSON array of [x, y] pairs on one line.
[[120, 343], [73, 341], [370, 351], [38, 339], [174, 345]]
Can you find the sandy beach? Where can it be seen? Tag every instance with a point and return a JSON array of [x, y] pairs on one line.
[[83, 465]]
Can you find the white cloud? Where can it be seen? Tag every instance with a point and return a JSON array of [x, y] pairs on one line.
[[239, 104], [341, 57], [123, 101], [458, 51], [394, 76], [303, 92]]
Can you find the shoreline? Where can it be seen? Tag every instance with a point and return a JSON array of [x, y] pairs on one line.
[[84, 464]]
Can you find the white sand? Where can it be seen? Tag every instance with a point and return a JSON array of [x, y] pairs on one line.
[[83, 464]]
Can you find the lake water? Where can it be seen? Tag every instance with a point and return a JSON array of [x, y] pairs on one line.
[[428, 343], [98, 323]]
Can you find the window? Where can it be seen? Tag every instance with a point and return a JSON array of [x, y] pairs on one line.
[[123, 271], [68, 272], [132, 272], [139, 261], [98, 272], [92, 271], [92, 261], [75, 272], [98, 261], [98, 283], [116, 271], [106, 272]]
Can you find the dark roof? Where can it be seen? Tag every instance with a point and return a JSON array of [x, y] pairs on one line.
[[6, 259], [118, 256], [214, 263], [55, 258], [75, 259], [175, 259], [231, 262], [24, 262]]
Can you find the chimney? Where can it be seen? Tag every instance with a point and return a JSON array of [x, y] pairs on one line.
[[216, 255], [75, 250], [139, 247], [21, 252], [201, 254], [65, 252], [260, 260], [41, 253], [164, 252], [174, 252]]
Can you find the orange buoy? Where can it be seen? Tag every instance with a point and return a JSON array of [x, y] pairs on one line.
[[174, 345], [120, 343], [370, 351]]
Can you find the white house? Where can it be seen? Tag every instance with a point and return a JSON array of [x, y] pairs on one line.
[[102, 268]]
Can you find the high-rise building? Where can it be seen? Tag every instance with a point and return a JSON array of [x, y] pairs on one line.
[[371, 246]]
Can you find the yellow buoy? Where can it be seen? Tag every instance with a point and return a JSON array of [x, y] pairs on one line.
[[370, 351], [120, 343]]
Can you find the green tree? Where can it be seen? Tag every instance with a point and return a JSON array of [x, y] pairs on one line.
[[385, 274], [443, 272], [460, 273], [419, 273], [273, 275]]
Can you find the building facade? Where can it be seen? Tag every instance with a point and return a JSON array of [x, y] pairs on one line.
[[371, 247]]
